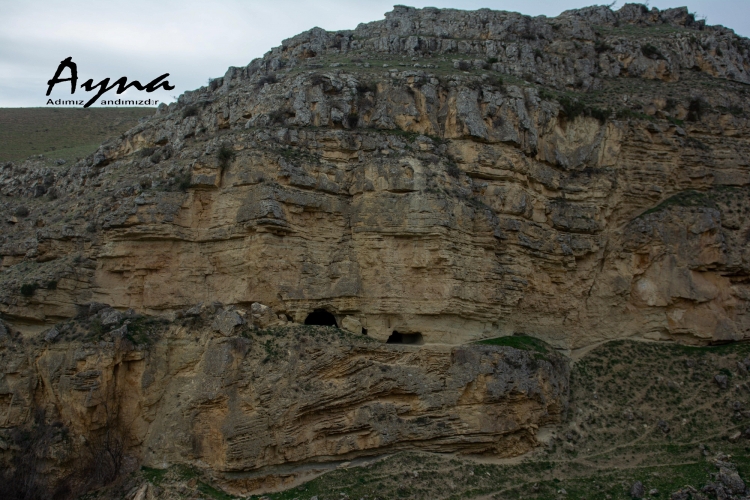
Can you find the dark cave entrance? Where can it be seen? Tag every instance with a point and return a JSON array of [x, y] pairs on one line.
[[405, 338], [320, 317]]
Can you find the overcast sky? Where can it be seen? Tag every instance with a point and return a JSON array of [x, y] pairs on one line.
[[194, 40]]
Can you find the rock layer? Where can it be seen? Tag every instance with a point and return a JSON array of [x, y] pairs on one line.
[[498, 174], [246, 404]]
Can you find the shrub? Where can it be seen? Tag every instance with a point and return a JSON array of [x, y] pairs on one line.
[[352, 120], [573, 108], [268, 79], [317, 79], [52, 285], [28, 289], [601, 47], [491, 60], [365, 87], [464, 65], [276, 117], [495, 81], [146, 152], [697, 108], [183, 181], [651, 52], [21, 211], [190, 111], [225, 154], [453, 170]]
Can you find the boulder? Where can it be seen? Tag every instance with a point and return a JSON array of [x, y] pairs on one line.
[[351, 324], [226, 321], [263, 316]]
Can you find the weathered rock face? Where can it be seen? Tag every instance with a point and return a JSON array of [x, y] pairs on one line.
[[292, 396], [427, 195]]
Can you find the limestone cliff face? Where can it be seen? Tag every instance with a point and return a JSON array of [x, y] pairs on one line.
[[456, 174], [245, 404]]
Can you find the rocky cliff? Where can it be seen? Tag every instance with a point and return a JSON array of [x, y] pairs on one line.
[[457, 174], [260, 407], [435, 178]]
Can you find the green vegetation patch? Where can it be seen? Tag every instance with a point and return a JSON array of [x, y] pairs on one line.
[[700, 199], [154, 476], [524, 342]]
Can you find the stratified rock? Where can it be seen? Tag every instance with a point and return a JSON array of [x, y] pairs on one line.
[[526, 168], [231, 404]]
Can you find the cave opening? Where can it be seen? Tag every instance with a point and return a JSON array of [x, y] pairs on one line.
[[320, 317], [405, 338]]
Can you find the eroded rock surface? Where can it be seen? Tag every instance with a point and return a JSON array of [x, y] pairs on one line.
[[459, 175], [262, 399]]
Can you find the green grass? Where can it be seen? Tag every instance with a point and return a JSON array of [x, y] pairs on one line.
[[524, 342], [154, 476], [62, 133]]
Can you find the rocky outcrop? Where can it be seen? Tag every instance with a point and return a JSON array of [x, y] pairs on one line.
[[246, 404], [457, 175]]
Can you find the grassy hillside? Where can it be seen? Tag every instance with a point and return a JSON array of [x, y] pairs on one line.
[[66, 133]]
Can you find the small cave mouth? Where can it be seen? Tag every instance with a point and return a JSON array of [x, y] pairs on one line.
[[320, 317], [405, 338]]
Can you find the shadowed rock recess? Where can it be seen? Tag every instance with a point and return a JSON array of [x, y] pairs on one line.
[[435, 178]]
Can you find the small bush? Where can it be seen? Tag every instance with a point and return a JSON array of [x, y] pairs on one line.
[[146, 152], [187, 112], [276, 117], [736, 110], [651, 52], [225, 155], [182, 181], [453, 170], [352, 120], [464, 65], [697, 109], [538, 54], [51, 285], [601, 47], [28, 289], [21, 211], [491, 60], [365, 87], [496, 81], [268, 79], [317, 79]]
